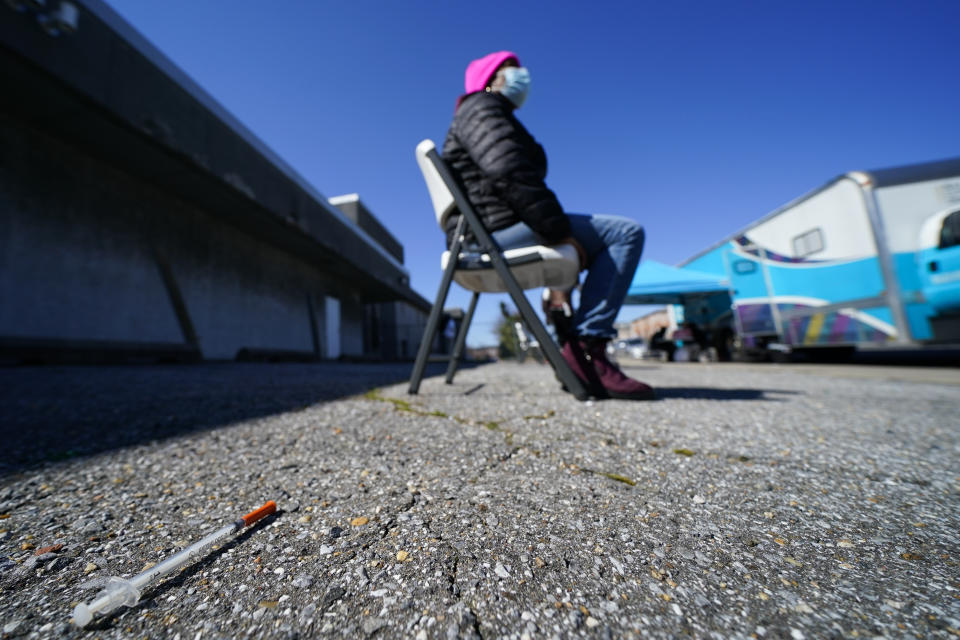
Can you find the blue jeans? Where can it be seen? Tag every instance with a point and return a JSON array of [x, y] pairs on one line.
[[613, 245]]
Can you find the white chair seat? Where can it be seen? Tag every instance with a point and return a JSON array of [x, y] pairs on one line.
[[536, 266]]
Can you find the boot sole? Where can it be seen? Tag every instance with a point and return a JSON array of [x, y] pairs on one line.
[[611, 395], [591, 393], [646, 395]]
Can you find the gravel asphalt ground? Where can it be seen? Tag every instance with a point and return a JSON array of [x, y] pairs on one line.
[[749, 501]]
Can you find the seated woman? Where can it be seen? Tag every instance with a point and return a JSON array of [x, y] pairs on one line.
[[502, 170]]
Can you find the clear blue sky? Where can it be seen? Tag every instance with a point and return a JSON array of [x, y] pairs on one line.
[[694, 118]]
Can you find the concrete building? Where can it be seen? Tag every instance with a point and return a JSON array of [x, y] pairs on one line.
[[647, 325], [391, 330], [140, 220]]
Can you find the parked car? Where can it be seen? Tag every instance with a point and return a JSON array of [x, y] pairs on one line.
[[636, 348]]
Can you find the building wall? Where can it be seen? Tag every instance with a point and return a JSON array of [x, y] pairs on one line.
[[351, 327], [410, 322], [647, 325], [392, 330], [89, 253]]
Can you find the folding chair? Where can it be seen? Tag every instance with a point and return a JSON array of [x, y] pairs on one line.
[[489, 269]]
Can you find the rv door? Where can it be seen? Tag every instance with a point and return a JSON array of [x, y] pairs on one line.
[[940, 260]]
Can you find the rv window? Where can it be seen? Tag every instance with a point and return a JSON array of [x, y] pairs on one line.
[[744, 266], [808, 243], [950, 233]]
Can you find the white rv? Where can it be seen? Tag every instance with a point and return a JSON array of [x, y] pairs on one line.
[[871, 258]]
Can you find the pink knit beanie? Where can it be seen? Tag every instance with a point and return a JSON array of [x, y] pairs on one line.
[[479, 72]]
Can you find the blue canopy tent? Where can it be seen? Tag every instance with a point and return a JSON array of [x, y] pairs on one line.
[[658, 283]]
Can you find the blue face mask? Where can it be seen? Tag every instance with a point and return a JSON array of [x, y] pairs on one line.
[[516, 85]]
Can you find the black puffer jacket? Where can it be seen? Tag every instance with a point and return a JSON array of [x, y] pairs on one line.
[[501, 168]]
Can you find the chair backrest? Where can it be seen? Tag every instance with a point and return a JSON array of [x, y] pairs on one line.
[[443, 203]]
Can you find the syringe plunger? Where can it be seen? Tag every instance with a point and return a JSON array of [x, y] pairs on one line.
[[117, 592]]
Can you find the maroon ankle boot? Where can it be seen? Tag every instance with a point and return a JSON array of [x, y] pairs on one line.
[[596, 370], [579, 361]]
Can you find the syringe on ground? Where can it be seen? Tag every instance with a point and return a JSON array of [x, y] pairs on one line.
[[123, 591]]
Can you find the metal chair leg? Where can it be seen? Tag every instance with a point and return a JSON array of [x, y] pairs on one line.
[[547, 345], [429, 333], [461, 339], [433, 322]]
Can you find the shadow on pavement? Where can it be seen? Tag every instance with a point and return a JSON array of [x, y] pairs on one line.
[[54, 413], [708, 393]]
